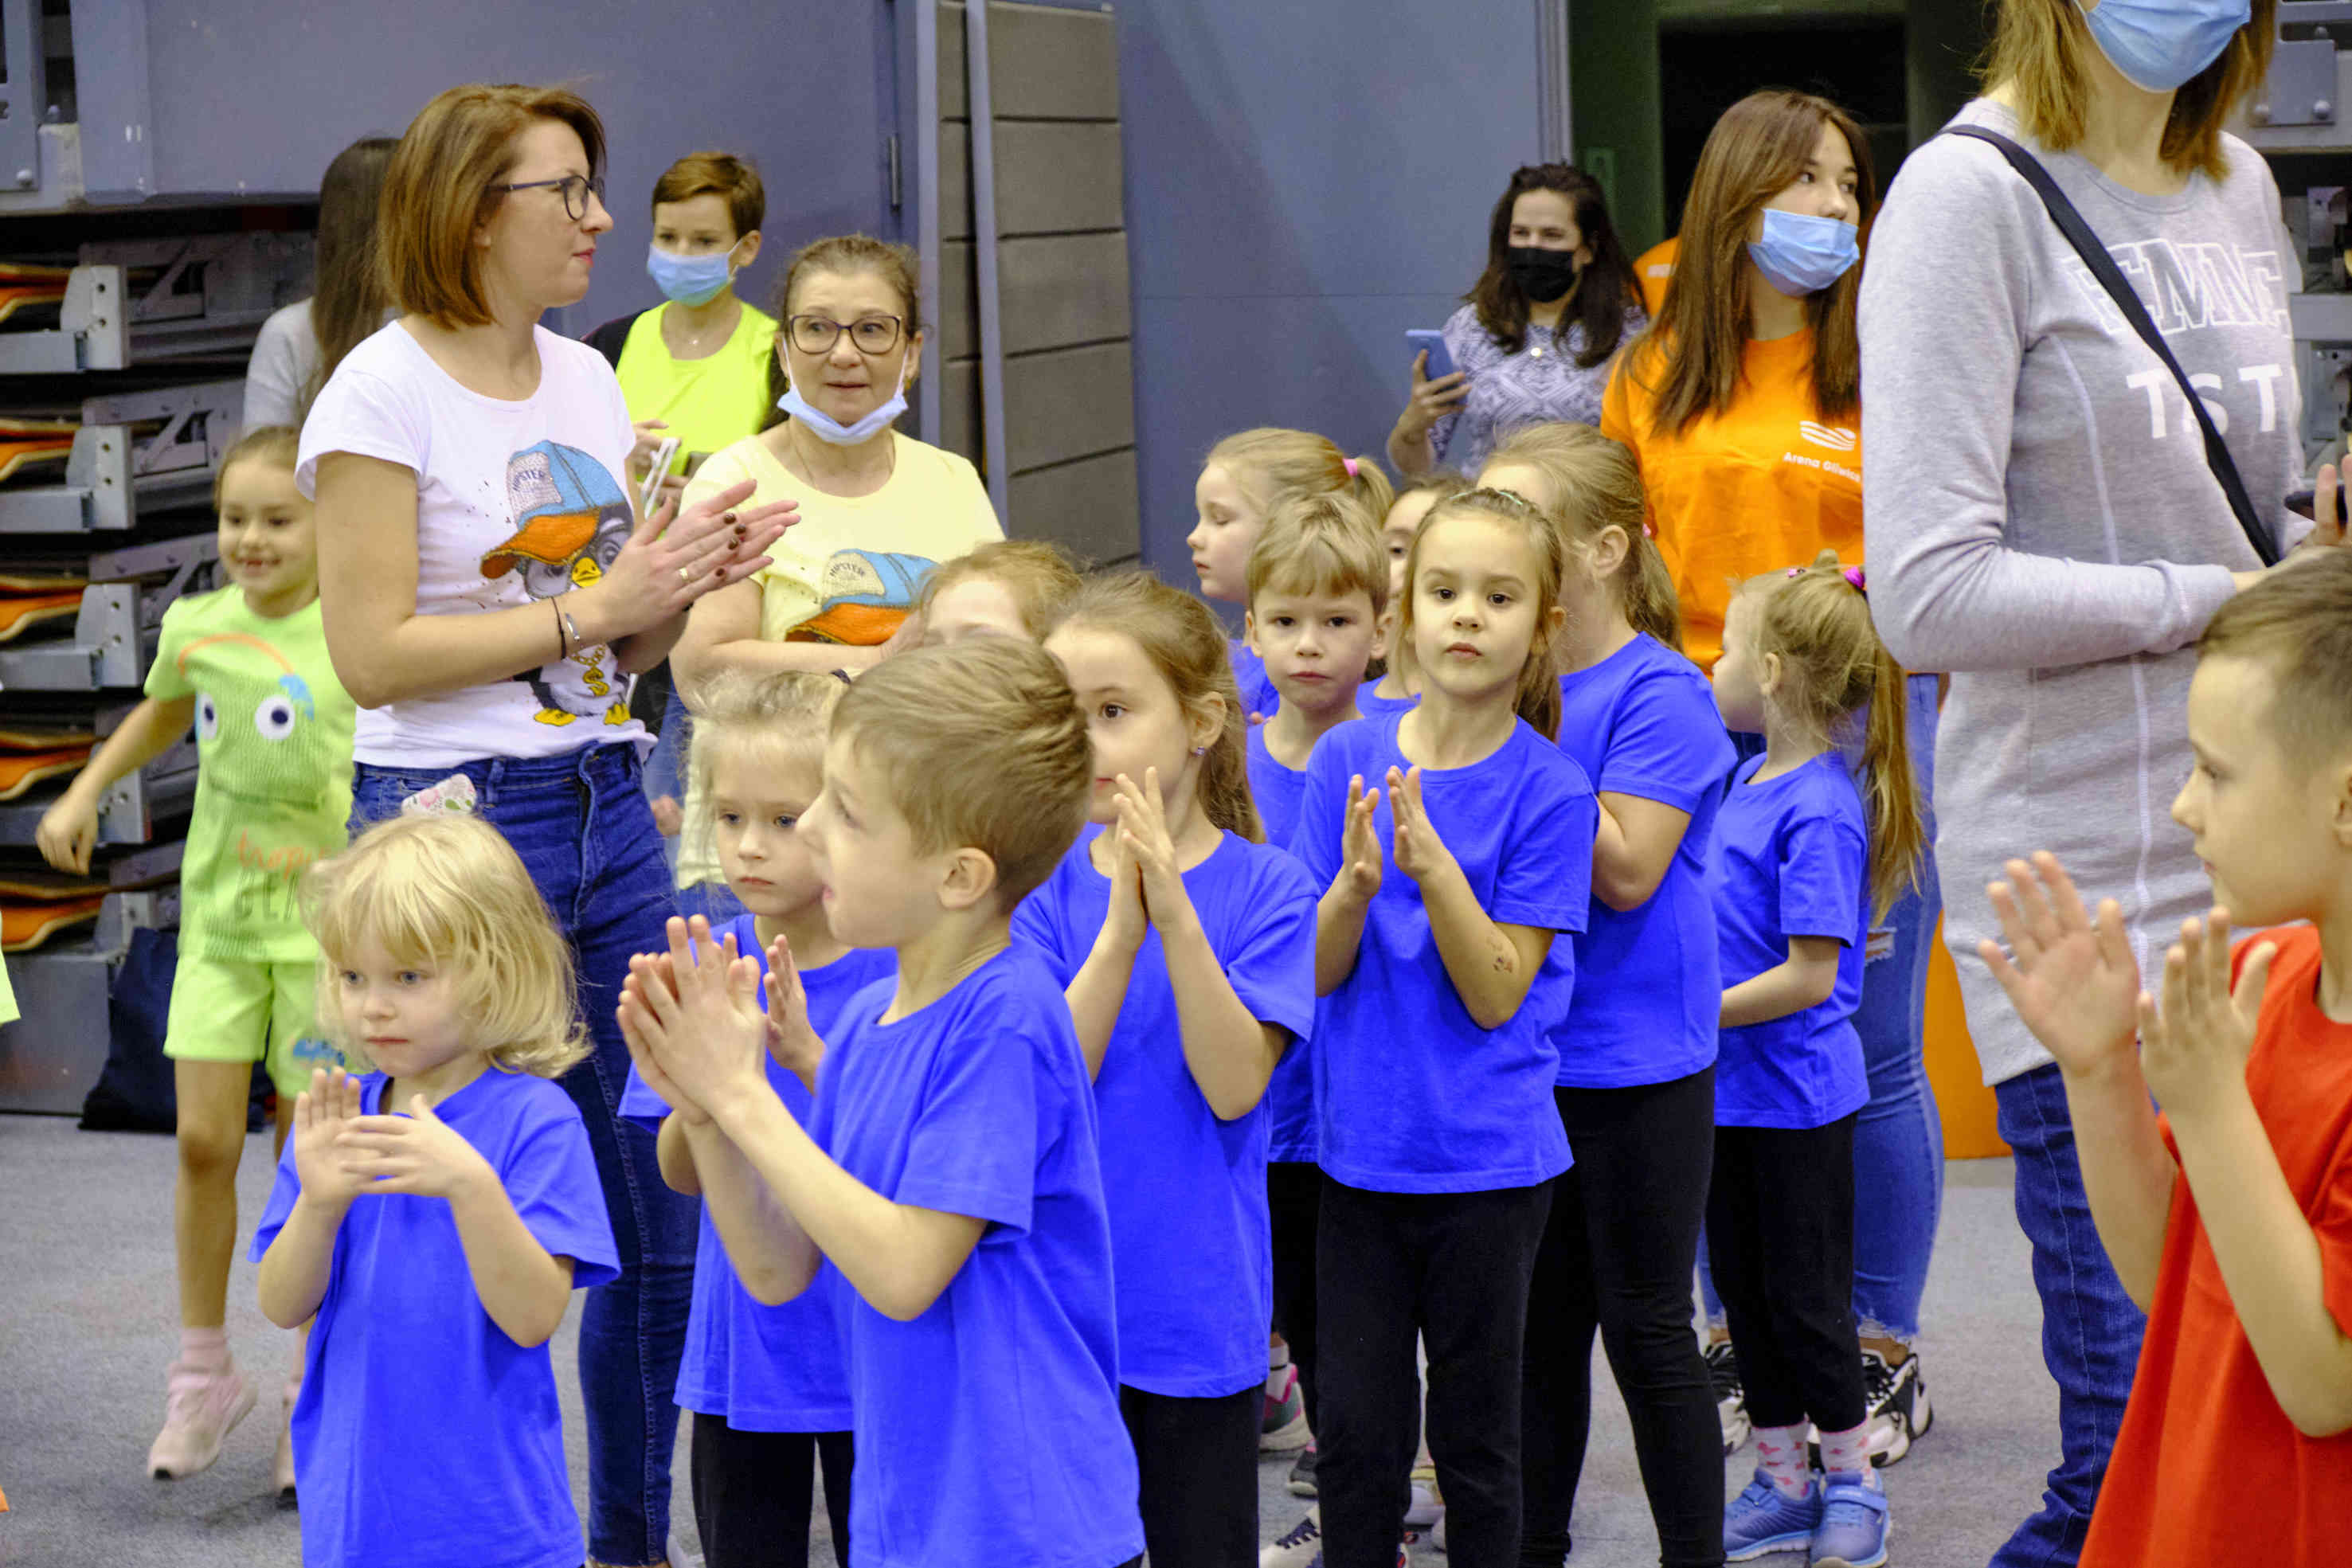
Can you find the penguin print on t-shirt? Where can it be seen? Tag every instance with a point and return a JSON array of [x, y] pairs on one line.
[[570, 520]]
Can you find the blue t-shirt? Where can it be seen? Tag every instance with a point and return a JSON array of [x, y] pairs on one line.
[[1289, 1100], [1411, 1095], [1372, 705], [767, 1369], [1791, 858], [993, 1416], [1258, 695], [1643, 722], [1191, 1245], [423, 1434]]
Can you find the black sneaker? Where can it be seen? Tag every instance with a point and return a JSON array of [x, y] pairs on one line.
[[1730, 1398], [1302, 1474], [1896, 1410]]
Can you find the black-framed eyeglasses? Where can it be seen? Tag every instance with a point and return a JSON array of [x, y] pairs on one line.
[[869, 335], [576, 189]]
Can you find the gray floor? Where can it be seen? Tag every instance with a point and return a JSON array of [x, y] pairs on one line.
[[85, 1312]]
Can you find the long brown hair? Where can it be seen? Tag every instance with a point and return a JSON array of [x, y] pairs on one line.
[[1186, 644], [2037, 53], [349, 300], [894, 264], [1816, 619], [1691, 356], [1591, 485], [1603, 288], [1538, 699]]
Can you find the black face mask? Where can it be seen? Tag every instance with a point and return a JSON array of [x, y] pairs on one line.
[[1543, 276]]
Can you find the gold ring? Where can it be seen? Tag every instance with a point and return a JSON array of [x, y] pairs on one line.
[[685, 576]]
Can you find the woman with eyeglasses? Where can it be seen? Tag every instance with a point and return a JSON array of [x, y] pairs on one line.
[[878, 509], [489, 592]]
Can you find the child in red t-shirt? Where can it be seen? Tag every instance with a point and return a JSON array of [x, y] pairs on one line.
[[2229, 1214]]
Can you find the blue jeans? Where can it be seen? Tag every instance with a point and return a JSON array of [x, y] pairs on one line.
[[2090, 1329], [582, 824], [1898, 1139]]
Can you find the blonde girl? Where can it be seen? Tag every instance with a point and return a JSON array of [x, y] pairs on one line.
[[1446, 885], [1185, 943], [1803, 860], [1246, 477], [434, 1214], [767, 1385], [1636, 1083], [1391, 691]]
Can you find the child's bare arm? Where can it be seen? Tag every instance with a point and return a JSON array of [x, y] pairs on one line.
[[675, 1153], [770, 1251], [68, 829], [523, 1287], [294, 1271], [1636, 845], [1804, 979]]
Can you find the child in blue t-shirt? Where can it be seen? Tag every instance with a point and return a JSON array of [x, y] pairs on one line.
[[949, 1168], [432, 1219], [767, 1384], [1446, 883], [1318, 590], [1636, 1083], [1800, 864], [1186, 946], [1246, 478], [1393, 690]]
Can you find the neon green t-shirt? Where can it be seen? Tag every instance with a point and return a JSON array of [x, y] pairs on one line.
[[708, 403], [274, 769]]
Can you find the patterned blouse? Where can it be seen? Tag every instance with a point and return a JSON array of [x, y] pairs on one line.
[[1539, 385]]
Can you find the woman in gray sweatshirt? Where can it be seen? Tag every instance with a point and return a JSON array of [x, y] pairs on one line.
[[2041, 522]]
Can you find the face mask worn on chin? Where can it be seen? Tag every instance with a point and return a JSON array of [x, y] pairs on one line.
[[689, 279], [826, 428], [1543, 276], [1800, 254], [2159, 46]]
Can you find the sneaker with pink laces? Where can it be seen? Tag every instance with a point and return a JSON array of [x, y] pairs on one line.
[[281, 1467], [204, 1404]]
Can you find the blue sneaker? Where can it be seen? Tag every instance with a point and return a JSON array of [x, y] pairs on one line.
[[1764, 1519], [1853, 1528]]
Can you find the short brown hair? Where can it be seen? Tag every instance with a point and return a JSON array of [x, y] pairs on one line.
[[436, 191], [894, 264], [701, 173], [277, 443], [1038, 573], [450, 892], [2037, 53], [981, 744], [1697, 345], [1321, 544], [2299, 623]]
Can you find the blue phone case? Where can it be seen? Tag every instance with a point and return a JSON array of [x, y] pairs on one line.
[[1441, 360]]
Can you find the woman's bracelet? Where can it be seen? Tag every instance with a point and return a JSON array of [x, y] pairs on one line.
[[562, 642]]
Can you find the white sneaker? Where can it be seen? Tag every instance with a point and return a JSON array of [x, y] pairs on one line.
[[1301, 1547], [1427, 1507], [204, 1405]]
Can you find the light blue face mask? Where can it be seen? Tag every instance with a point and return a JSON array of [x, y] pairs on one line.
[[1800, 254], [689, 279], [826, 428], [2162, 44]]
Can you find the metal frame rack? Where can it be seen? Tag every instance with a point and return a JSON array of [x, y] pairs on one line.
[[145, 352], [2300, 118]]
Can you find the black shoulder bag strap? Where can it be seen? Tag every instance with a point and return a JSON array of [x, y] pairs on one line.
[[2103, 267]]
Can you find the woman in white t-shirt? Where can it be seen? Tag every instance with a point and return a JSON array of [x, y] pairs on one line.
[[489, 592], [301, 345], [877, 509]]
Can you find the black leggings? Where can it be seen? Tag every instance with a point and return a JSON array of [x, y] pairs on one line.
[[1197, 1461], [753, 1492], [1294, 1194], [1779, 1239], [1453, 1267], [1618, 1255]]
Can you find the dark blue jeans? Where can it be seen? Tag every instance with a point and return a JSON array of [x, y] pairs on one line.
[[2090, 1329], [582, 824]]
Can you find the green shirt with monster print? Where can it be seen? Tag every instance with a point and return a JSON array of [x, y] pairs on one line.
[[274, 769]]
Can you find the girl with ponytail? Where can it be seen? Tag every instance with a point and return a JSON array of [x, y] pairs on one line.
[[1804, 862], [1186, 945], [1635, 1090]]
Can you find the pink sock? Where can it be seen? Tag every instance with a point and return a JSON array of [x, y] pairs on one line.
[[1848, 1450], [204, 1350], [1781, 1451]]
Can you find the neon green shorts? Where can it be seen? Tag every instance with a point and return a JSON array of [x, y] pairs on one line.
[[226, 1010]]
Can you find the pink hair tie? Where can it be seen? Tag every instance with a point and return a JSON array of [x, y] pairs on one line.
[[1350, 465], [1796, 571], [1854, 576]]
